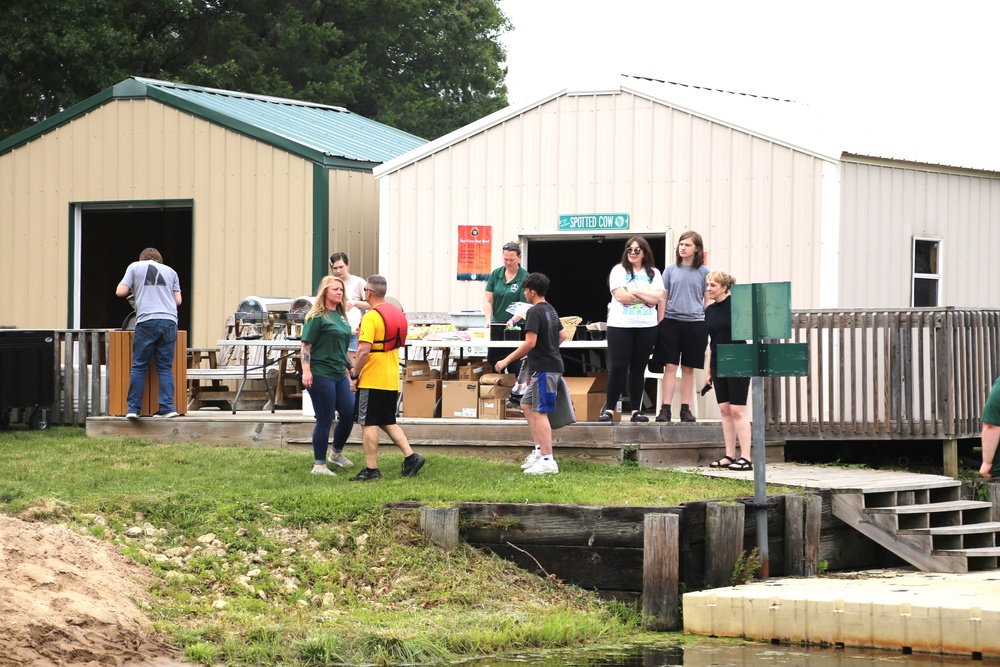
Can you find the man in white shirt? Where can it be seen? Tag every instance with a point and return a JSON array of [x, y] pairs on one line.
[[354, 296]]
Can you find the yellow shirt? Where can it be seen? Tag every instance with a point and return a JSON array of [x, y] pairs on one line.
[[381, 371]]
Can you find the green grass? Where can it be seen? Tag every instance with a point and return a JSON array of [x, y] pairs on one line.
[[257, 562]]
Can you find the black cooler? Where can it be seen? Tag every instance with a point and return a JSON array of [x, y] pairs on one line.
[[27, 375]]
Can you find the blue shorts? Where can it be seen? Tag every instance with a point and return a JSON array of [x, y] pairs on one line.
[[541, 391]]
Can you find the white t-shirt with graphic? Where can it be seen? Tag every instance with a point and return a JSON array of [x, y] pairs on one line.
[[632, 316]]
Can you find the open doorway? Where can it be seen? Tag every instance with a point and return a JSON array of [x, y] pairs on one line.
[[579, 268], [111, 238]]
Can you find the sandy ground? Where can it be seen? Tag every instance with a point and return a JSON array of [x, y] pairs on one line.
[[71, 601]]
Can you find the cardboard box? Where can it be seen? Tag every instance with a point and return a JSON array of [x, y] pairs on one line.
[[420, 397], [416, 370], [513, 413], [494, 391], [588, 395], [459, 399], [474, 371], [496, 385], [502, 379], [492, 408]]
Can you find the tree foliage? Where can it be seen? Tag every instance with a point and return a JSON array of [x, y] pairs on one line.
[[424, 66]]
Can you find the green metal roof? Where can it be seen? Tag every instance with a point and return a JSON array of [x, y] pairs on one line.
[[331, 136]]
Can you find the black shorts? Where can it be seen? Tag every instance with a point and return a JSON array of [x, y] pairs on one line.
[[731, 390], [375, 407], [681, 343]]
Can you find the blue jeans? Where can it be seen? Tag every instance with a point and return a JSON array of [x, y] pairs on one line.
[[329, 396], [154, 340]]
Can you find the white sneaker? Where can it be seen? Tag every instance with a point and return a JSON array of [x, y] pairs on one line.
[[530, 459], [131, 415], [339, 460], [323, 470], [171, 415], [543, 467]]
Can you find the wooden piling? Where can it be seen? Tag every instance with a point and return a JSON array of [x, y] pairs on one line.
[[660, 571], [723, 541], [949, 456], [993, 486], [440, 526], [802, 535]]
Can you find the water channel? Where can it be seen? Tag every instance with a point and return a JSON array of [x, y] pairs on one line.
[[730, 654]]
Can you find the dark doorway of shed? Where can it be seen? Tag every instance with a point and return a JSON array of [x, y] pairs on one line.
[[579, 268], [111, 239]]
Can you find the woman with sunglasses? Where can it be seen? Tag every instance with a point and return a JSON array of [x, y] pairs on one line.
[[636, 292], [503, 288]]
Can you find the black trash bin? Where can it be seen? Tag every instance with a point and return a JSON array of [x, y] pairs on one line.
[[27, 375]]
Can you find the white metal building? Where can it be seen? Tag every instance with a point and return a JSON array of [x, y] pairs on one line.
[[774, 192]]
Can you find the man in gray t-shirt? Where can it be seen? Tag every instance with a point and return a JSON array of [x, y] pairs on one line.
[[157, 293]]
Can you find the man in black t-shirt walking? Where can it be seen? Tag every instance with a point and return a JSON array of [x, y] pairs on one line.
[[543, 335]]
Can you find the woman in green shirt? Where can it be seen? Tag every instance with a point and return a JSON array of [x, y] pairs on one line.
[[325, 337], [502, 289]]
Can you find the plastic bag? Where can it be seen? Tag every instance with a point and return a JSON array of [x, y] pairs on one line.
[[519, 309]]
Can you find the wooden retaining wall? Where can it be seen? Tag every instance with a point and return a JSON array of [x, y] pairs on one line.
[[601, 548]]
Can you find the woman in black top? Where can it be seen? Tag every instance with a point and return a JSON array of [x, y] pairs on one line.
[[731, 393]]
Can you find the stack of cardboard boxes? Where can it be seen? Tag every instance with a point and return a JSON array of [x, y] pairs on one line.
[[460, 398], [479, 393], [494, 390], [421, 389]]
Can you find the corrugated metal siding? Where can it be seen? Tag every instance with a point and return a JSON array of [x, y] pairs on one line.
[[884, 207], [604, 153], [354, 220], [252, 208]]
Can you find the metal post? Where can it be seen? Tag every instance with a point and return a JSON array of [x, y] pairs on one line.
[[759, 476]]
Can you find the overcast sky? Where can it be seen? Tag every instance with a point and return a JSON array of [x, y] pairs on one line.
[[925, 64]]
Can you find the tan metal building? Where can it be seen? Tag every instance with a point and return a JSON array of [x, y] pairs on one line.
[[242, 194], [770, 188]]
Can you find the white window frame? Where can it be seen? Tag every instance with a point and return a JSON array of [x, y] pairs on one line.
[[926, 276]]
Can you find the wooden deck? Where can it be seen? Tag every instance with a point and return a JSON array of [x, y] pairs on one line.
[[832, 478], [657, 445]]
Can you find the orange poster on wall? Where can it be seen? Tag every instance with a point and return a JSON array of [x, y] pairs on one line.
[[475, 242]]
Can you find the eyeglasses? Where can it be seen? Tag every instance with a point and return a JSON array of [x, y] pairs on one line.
[[368, 289], [633, 251], [512, 247]]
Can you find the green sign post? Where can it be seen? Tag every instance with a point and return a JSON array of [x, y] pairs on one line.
[[762, 311]]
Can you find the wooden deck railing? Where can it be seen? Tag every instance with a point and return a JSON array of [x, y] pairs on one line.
[[80, 376], [887, 374], [874, 374]]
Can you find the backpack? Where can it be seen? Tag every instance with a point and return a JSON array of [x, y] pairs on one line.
[[396, 327]]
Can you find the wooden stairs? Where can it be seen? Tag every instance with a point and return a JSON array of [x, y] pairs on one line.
[[925, 523]]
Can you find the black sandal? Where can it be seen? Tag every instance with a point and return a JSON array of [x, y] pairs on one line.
[[741, 464], [720, 464], [606, 416]]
